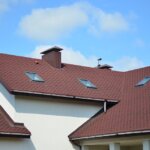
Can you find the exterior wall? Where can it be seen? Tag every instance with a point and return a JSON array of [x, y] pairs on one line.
[[126, 142], [7, 101], [98, 147], [16, 144], [49, 120], [52, 120]]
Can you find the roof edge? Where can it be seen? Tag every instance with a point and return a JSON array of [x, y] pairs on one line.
[[13, 124], [111, 135], [15, 92], [17, 135]]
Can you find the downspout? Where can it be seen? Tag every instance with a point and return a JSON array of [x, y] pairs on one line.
[[105, 105]]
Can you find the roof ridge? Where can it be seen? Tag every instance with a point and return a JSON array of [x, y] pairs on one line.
[[63, 63], [88, 67], [12, 55], [76, 65], [137, 69]]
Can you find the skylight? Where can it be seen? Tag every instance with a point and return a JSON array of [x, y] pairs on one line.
[[34, 76], [87, 83], [144, 81]]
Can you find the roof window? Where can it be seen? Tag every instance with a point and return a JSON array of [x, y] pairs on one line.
[[87, 83], [34, 76], [144, 81]]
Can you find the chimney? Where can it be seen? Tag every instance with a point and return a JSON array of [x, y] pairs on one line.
[[53, 56]]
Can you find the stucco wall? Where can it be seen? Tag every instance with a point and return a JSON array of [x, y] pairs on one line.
[[52, 120], [16, 144], [7, 101], [49, 120]]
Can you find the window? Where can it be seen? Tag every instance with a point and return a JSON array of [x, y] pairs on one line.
[[87, 83], [34, 77], [143, 82]]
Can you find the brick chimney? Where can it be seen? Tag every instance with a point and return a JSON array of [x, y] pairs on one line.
[[53, 56]]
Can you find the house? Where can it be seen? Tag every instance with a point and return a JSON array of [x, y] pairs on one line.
[[46, 104]]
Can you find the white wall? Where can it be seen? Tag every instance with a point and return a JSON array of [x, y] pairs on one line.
[[16, 144], [49, 120], [7, 101], [52, 120]]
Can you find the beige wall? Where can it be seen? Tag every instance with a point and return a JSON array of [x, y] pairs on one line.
[[52, 120], [49, 120], [7, 101], [16, 144]]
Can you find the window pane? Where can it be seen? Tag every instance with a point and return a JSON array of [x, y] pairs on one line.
[[144, 81], [87, 83], [34, 77]]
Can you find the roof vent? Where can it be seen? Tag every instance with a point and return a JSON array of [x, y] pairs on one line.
[[105, 66], [53, 56]]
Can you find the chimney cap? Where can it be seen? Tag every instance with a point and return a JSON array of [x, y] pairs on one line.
[[54, 48]]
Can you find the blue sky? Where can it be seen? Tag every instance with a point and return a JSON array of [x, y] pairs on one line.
[[116, 31]]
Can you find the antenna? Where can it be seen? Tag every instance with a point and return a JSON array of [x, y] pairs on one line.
[[99, 59]]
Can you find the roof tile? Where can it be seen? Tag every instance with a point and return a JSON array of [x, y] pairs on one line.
[[9, 128], [132, 112]]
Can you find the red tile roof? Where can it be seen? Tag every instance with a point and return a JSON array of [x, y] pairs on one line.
[[9, 128], [64, 81], [132, 112]]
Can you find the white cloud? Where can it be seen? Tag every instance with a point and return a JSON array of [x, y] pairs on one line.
[[127, 63], [112, 22], [3, 5], [6, 4], [103, 22], [76, 57], [52, 23], [72, 56]]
